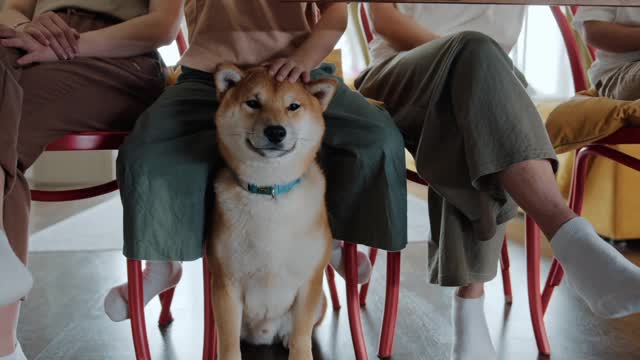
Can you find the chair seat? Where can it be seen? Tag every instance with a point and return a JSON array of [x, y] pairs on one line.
[[92, 140], [626, 135]]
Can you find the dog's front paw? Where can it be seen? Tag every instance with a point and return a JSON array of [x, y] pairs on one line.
[[300, 353]]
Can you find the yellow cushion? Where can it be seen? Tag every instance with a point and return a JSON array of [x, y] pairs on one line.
[[587, 118], [545, 108], [612, 202]]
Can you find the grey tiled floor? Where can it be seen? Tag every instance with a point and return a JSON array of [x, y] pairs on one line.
[[63, 317]]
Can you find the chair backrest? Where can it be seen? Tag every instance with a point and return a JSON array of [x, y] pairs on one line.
[[592, 51], [182, 43], [364, 20], [580, 81]]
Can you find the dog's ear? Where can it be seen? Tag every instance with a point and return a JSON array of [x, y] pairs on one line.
[[323, 90], [226, 76]]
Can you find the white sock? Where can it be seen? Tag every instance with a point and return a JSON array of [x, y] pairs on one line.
[[16, 355], [337, 262], [15, 277], [158, 276], [471, 338], [604, 278]]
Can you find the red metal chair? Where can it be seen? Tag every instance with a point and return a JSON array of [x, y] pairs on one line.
[[540, 302], [414, 177], [537, 306]]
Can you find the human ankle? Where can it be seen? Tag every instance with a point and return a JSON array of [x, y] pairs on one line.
[[8, 322], [7, 347], [471, 291], [157, 277], [471, 337], [551, 226], [16, 278]]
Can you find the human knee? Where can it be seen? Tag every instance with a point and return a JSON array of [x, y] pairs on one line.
[[475, 38], [480, 47]]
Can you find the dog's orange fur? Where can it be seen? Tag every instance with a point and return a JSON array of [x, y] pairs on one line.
[[227, 296]]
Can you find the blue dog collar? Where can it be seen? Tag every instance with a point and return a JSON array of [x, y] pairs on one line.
[[274, 191]]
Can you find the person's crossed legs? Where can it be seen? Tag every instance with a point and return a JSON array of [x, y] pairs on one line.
[[477, 137]]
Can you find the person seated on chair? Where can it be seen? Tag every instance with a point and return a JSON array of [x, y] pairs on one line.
[[66, 66], [482, 147], [166, 166], [615, 34]]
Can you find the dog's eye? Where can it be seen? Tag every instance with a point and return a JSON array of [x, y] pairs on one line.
[[293, 107], [254, 104]]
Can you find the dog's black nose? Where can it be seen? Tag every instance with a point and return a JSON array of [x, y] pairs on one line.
[[275, 134]]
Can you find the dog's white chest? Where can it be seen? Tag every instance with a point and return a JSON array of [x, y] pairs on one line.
[[271, 247], [272, 234]]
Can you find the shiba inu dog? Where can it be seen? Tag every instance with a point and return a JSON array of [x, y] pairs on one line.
[[271, 239]]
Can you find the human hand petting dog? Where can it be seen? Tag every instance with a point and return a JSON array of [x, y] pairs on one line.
[[291, 69], [35, 51]]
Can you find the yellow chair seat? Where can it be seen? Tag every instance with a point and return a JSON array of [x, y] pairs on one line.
[[612, 197]]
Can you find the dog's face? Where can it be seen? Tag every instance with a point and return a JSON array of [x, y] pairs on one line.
[[262, 120]]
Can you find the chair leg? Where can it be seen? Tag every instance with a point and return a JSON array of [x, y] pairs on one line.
[[333, 291], [166, 298], [576, 200], [392, 298], [210, 351], [581, 165], [553, 280], [136, 310], [364, 289], [355, 322], [506, 274], [533, 281]]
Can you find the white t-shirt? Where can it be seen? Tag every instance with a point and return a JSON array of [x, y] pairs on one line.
[[501, 22], [608, 61]]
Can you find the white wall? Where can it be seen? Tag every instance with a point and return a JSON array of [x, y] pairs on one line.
[[541, 55]]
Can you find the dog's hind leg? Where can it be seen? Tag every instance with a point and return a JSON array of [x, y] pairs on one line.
[[287, 323], [305, 310]]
